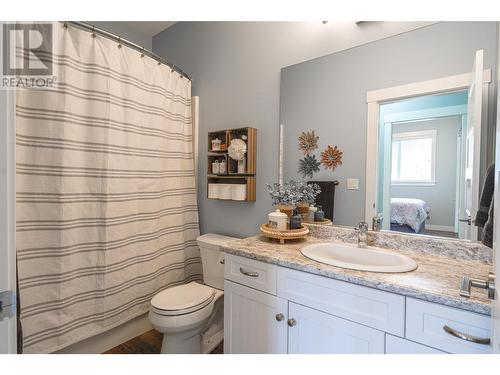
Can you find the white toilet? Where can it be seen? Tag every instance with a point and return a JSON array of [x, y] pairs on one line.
[[190, 316]]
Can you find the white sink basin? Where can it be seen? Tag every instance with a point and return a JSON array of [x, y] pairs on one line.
[[371, 259]]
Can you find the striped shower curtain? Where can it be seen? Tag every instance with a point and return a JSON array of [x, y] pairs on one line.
[[106, 197]]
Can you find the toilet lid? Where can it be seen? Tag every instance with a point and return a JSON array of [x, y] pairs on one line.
[[183, 298]]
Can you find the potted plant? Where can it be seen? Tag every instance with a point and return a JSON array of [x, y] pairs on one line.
[[309, 193], [292, 194], [280, 195]]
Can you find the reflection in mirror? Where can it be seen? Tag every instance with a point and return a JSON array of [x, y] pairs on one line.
[[422, 188], [410, 114]]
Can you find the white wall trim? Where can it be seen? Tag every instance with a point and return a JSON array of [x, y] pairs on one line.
[[476, 163], [372, 161], [459, 171], [376, 97], [107, 340], [433, 86]]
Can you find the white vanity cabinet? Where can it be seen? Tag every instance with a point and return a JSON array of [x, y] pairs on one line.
[[273, 309], [315, 332], [254, 322]]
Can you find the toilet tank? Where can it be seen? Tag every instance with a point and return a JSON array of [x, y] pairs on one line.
[[212, 258]]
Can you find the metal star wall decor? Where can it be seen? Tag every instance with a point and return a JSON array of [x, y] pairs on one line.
[[331, 158], [308, 165], [308, 142]]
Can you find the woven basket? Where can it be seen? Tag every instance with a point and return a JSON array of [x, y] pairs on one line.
[[286, 209], [283, 235], [303, 208]]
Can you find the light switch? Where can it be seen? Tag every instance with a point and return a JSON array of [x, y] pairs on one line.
[[352, 184]]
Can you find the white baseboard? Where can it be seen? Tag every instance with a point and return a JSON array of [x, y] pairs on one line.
[[108, 340], [442, 228]]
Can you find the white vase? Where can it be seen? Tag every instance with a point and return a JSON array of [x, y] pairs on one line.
[[242, 166], [310, 216]]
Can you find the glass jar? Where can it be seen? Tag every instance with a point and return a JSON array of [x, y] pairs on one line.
[[216, 144]]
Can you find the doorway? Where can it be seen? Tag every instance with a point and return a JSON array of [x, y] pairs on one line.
[[421, 148], [476, 84]]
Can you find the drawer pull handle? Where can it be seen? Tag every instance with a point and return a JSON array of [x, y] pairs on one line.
[[249, 273], [280, 317], [466, 337], [292, 322]]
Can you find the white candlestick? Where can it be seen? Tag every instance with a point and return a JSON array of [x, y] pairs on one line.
[[280, 165]]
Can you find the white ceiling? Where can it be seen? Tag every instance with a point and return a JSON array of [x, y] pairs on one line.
[[150, 28]]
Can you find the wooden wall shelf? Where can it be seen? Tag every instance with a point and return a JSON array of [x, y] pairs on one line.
[[221, 185]]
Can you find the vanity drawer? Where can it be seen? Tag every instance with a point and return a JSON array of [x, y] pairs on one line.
[[373, 308], [397, 345], [425, 322], [252, 273]]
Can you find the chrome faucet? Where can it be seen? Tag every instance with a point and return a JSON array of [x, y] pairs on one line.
[[362, 234], [377, 222]]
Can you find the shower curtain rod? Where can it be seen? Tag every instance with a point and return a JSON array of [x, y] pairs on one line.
[[128, 43]]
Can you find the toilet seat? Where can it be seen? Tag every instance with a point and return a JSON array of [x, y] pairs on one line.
[[182, 299]]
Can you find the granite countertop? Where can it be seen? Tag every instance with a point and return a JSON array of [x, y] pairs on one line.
[[437, 278]]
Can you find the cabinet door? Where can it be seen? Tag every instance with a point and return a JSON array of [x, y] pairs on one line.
[[314, 332], [252, 321]]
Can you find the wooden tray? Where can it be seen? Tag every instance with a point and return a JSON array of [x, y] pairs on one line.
[[323, 222], [283, 235]]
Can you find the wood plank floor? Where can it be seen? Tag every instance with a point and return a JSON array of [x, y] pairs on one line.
[[147, 343]]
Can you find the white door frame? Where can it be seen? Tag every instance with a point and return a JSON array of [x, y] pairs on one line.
[[377, 97], [460, 227], [8, 327]]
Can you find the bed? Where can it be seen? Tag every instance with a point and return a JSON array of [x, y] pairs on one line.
[[409, 215]]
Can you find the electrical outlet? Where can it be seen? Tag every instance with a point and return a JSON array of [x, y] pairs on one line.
[[352, 184]]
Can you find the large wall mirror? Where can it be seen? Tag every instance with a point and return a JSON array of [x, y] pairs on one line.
[[413, 116]]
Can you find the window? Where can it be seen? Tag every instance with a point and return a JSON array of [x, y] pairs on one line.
[[414, 158]]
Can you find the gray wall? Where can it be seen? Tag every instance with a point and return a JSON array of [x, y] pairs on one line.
[[328, 94], [236, 69], [441, 196], [125, 31]]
